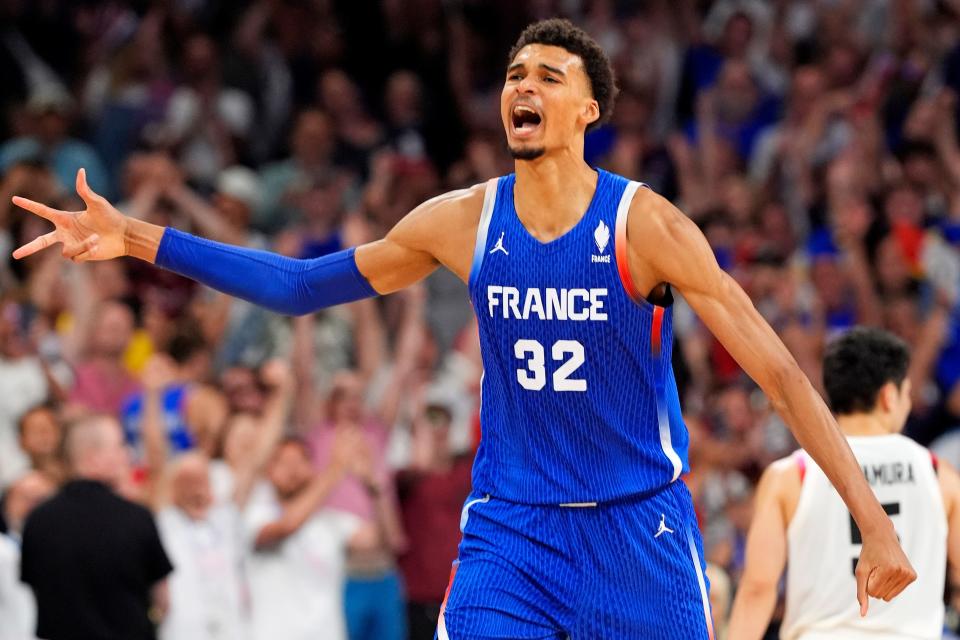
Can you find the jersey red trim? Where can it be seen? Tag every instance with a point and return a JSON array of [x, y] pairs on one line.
[[656, 328], [801, 464]]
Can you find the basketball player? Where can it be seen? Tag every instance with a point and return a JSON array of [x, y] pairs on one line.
[[799, 520], [569, 270]]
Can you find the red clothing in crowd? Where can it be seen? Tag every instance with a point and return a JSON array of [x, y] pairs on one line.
[[431, 505]]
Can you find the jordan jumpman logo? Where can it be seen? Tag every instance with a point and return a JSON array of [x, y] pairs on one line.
[[499, 246], [663, 527]]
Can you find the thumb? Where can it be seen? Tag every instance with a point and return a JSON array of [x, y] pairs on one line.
[[83, 189]]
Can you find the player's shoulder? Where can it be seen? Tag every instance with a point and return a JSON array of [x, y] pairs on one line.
[[655, 221], [787, 472], [458, 203]]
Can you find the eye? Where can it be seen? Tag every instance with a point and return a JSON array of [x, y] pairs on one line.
[[513, 76], [551, 80]]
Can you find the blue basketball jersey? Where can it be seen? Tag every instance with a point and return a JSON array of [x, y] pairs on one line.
[[578, 399]]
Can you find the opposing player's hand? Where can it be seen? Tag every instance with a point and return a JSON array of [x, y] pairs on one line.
[[97, 233], [883, 570]]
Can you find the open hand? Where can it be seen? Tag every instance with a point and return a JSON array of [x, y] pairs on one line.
[[97, 233], [883, 570]]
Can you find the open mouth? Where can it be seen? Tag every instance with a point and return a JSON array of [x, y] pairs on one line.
[[525, 119]]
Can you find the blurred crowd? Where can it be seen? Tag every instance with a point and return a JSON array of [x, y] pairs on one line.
[[306, 475]]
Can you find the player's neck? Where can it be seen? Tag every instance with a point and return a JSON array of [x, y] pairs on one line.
[[553, 192], [863, 424]]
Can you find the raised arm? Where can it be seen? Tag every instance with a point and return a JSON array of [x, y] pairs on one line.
[[666, 247], [440, 231]]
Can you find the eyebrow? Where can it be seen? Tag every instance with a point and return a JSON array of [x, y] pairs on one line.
[[520, 65]]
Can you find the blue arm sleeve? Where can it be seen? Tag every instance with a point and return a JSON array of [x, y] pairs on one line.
[[284, 285]]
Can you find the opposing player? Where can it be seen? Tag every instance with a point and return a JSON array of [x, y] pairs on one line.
[[569, 270], [799, 520]]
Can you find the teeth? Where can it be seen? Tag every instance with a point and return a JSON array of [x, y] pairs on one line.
[[521, 107]]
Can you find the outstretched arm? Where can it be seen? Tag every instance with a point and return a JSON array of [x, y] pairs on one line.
[[439, 231], [665, 246], [766, 553]]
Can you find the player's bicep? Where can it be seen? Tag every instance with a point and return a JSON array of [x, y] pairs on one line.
[[439, 231], [677, 252], [403, 256]]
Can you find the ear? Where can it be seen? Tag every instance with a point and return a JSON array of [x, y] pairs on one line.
[[887, 398], [591, 112]]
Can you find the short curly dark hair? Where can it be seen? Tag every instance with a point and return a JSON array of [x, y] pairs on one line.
[[857, 365], [558, 32]]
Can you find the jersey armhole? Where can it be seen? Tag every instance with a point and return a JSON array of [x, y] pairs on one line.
[[486, 213], [620, 247], [935, 462]]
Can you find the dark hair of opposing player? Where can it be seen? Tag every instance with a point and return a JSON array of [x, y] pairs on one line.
[[858, 364], [561, 33]]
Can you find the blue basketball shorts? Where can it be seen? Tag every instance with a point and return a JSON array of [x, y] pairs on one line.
[[631, 569]]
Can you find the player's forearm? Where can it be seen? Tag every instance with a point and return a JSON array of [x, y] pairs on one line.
[[816, 430], [281, 284], [752, 610]]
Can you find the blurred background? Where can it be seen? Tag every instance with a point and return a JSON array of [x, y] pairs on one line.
[[813, 141]]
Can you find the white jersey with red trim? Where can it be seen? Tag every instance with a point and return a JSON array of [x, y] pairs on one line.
[[824, 543]]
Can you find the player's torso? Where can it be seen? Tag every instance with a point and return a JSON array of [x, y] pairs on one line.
[[579, 402], [824, 543]]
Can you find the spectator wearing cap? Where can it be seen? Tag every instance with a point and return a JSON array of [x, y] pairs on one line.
[[432, 490], [93, 559], [18, 611], [50, 110]]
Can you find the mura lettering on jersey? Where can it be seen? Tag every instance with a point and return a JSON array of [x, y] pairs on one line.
[[546, 304], [889, 473], [602, 237]]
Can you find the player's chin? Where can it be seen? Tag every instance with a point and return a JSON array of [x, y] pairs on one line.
[[526, 151]]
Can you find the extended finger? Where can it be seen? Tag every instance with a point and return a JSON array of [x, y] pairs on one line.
[[42, 210], [75, 250], [37, 244], [863, 577]]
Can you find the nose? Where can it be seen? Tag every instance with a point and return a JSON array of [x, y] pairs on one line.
[[525, 86]]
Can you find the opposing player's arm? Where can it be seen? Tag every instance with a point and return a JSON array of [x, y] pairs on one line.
[[766, 553], [667, 247], [439, 231], [950, 488]]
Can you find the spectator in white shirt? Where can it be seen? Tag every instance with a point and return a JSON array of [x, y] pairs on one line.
[[297, 565], [200, 532], [18, 610]]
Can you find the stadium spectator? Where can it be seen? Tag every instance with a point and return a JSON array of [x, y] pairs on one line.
[[94, 560], [49, 110], [193, 411], [102, 382], [17, 607], [41, 435], [23, 384], [840, 206], [298, 563], [432, 491]]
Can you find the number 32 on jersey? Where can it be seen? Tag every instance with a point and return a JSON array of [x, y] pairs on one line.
[[534, 376]]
